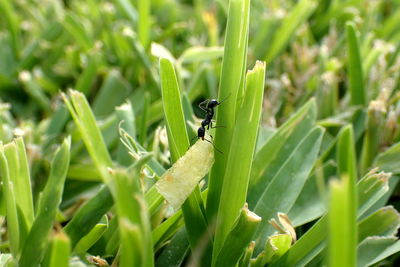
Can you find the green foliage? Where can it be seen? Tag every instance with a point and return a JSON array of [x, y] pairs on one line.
[[309, 138]]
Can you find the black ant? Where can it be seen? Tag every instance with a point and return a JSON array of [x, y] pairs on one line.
[[208, 106]]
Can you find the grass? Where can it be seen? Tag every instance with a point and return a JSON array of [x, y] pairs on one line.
[[99, 104]]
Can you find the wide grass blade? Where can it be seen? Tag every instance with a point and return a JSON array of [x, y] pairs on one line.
[[90, 132], [60, 251], [232, 77], [240, 156], [284, 188], [238, 238], [375, 249], [88, 215], [341, 221], [37, 240], [195, 222], [277, 149]]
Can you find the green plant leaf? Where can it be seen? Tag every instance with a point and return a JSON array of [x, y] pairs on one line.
[[284, 188], [232, 78], [356, 86], [36, 241], [240, 156]]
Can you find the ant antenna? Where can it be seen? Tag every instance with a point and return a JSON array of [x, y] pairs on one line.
[[224, 99]]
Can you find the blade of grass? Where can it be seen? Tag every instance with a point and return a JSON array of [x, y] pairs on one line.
[[74, 27], [284, 188], [144, 22], [34, 247], [232, 74], [358, 94], [383, 222], [341, 247], [91, 135], [91, 238], [375, 249], [112, 93], [12, 22], [60, 251], [342, 214], [86, 80], [373, 136], [195, 222], [134, 224], [238, 238], [88, 215], [11, 206], [278, 148], [20, 177], [299, 15], [240, 157]]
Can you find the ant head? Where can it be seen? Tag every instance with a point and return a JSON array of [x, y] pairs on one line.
[[201, 132], [213, 103]]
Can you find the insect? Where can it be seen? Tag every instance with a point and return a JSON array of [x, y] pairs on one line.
[[208, 106]]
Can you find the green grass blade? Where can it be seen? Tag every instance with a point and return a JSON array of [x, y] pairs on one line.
[[75, 28], [241, 155], [112, 93], [277, 149], [373, 136], [299, 15], [276, 246], [383, 222], [284, 188], [11, 206], [144, 22], [12, 22], [91, 238], [342, 215], [342, 247], [232, 74], [358, 94], [371, 188], [311, 203], [388, 160], [165, 230], [88, 77], [20, 177], [174, 254], [134, 225], [128, 9], [90, 132], [178, 141], [375, 249], [36, 242], [60, 251], [88, 215], [245, 260], [238, 238]]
